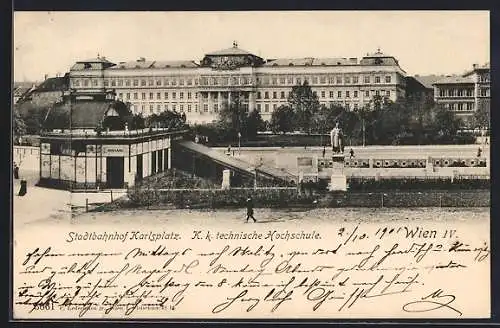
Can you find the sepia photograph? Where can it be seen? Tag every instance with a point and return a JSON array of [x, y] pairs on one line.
[[251, 165]]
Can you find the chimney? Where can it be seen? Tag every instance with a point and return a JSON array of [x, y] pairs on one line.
[[141, 59], [474, 66], [45, 77]]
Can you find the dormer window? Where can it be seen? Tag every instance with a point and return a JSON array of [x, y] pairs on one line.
[[87, 65], [167, 66], [275, 64], [183, 66], [290, 64]]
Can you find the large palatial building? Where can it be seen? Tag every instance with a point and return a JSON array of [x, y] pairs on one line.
[[200, 89], [464, 94]]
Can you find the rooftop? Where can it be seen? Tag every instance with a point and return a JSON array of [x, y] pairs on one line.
[[54, 84], [309, 61], [143, 63], [454, 79], [428, 80], [233, 51]]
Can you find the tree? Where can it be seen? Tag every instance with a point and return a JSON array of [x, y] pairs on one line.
[[445, 122], [282, 119], [234, 118], [481, 117], [305, 105], [254, 124], [19, 126]]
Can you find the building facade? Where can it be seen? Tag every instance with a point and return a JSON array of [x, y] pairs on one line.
[[465, 94], [200, 89]]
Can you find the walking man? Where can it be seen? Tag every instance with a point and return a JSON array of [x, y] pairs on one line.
[[352, 153], [250, 209], [479, 151], [16, 171]]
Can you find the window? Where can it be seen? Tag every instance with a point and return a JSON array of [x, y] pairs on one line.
[[189, 108], [120, 95], [143, 108], [181, 107], [347, 106], [205, 107], [377, 93], [339, 79], [151, 96], [387, 79], [151, 82], [266, 108], [315, 94], [322, 80], [143, 95], [258, 95], [442, 93], [196, 95], [355, 79], [315, 80], [266, 95], [331, 94], [151, 108], [189, 82], [158, 108], [128, 95], [113, 83], [460, 106], [323, 94], [282, 80], [347, 80], [290, 80], [355, 94], [356, 106], [377, 79], [158, 82], [120, 83], [469, 92], [94, 83], [127, 83], [173, 82], [339, 94], [195, 107], [174, 107], [282, 94], [143, 83], [136, 83], [298, 81], [275, 95], [388, 93], [181, 95], [216, 107], [275, 106], [174, 95], [158, 95], [347, 94], [189, 95], [77, 83], [135, 96], [275, 81], [166, 106], [166, 95], [367, 93]]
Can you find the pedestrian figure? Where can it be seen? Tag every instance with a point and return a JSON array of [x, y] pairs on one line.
[[301, 187], [23, 190], [250, 209], [352, 153], [197, 139], [228, 150], [324, 151], [479, 151], [16, 171]]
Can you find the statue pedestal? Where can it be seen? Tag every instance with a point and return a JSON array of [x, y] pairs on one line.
[[338, 179], [226, 179]]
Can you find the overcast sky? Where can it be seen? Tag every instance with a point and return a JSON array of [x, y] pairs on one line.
[[427, 42]]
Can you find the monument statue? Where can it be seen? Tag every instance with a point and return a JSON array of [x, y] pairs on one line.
[[337, 139]]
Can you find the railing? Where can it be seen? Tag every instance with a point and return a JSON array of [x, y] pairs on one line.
[[113, 134]]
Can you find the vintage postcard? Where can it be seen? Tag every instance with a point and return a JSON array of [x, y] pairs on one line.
[[251, 165]]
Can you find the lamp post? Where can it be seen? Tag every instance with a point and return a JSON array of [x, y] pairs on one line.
[[239, 143]]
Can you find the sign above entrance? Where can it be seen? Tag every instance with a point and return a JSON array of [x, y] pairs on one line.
[[113, 150]]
